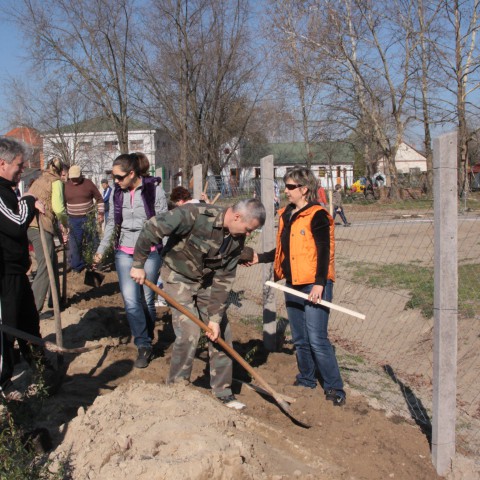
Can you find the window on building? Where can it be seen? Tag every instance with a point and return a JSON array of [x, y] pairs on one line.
[[110, 145], [339, 172], [235, 174], [136, 145], [85, 146], [257, 172]]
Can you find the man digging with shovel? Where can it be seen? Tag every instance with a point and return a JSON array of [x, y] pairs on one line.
[[200, 261]]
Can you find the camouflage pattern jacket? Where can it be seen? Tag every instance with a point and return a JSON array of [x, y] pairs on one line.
[[197, 249]]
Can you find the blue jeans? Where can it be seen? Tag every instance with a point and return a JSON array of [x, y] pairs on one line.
[[309, 327], [75, 242], [139, 300]]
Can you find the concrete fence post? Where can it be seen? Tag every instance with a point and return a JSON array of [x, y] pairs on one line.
[[445, 301], [197, 181], [268, 243]]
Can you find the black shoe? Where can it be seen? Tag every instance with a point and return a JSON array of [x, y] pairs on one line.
[[336, 396], [144, 354], [347, 224]]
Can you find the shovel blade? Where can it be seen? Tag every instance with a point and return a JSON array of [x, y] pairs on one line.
[[93, 278], [286, 408]]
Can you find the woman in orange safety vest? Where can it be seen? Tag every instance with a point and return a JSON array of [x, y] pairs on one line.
[[304, 256]]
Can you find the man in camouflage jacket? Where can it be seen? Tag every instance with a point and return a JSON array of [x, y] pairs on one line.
[[200, 261]]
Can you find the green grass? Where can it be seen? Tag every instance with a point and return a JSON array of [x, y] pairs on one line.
[[469, 286], [350, 359], [19, 459], [418, 281]]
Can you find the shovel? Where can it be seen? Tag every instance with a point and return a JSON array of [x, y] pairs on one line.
[[50, 346], [53, 284], [280, 399]]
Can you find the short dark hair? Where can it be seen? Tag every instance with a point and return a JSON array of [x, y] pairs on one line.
[[180, 193]]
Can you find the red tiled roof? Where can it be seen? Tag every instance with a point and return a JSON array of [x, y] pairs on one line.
[[28, 135]]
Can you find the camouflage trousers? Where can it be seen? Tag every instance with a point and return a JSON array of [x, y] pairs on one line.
[[196, 297]]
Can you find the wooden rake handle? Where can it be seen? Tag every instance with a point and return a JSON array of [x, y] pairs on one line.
[[333, 306]]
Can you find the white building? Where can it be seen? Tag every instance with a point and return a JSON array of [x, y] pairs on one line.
[[93, 145], [331, 163], [407, 160]]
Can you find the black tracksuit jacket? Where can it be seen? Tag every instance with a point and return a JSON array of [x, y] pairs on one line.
[[15, 217]]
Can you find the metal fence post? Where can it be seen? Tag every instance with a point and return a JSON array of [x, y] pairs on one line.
[[445, 301], [268, 243]]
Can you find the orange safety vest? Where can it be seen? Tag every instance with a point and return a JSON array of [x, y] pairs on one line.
[[303, 251]]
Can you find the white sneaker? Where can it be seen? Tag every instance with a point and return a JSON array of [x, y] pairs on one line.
[[160, 303], [231, 402]]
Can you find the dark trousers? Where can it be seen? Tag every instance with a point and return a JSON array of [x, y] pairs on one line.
[[41, 283], [17, 310], [340, 211], [75, 242]]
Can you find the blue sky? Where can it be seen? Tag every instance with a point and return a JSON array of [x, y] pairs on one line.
[[13, 65]]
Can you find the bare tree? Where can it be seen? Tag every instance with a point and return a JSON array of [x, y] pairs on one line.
[[297, 68], [56, 110], [86, 42], [197, 71], [424, 23], [460, 60], [364, 54]]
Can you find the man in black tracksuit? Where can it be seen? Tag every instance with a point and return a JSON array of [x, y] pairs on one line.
[[16, 297]]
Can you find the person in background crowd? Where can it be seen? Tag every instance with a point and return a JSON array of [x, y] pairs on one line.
[[200, 262], [49, 189], [81, 196], [17, 303], [304, 256], [322, 196], [276, 196], [134, 200], [107, 190], [337, 201], [180, 195]]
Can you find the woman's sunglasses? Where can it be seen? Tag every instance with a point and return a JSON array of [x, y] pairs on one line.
[[120, 177], [292, 186]]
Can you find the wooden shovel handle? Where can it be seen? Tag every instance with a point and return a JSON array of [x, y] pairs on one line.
[[53, 284], [220, 340]]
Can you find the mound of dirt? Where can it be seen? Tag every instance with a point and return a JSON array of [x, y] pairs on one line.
[[146, 431]]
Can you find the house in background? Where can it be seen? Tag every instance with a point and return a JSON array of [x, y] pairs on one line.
[[93, 145], [407, 160], [331, 162]]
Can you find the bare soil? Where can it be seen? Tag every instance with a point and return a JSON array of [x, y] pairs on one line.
[[112, 421]]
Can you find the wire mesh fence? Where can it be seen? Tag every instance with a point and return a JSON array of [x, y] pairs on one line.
[[384, 269]]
